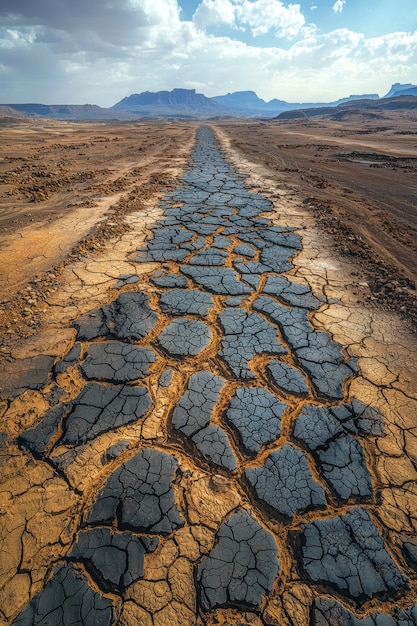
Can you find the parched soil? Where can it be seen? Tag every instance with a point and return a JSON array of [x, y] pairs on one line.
[[65, 189], [202, 419], [358, 178], [62, 182]]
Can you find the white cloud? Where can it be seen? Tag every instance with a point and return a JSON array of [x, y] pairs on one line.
[[265, 15], [214, 12], [338, 6], [47, 57], [261, 16]]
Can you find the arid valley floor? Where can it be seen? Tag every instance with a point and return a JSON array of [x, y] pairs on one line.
[[208, 373]]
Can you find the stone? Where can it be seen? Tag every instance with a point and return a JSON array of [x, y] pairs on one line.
[[328, 434], [221, 242], [28, 373], [129, 318], [139, 494], [100, 408], [316, 352], [67, 599], [117, 448], [245, 335], [317, 426], [194, 409], [185, 302], [38, 439], [184, 337], [209, 257], [348, 553], [117, 362], [281, 236], [242, 566], [69, 359], [126, 279], [219, 280], [327, 612], [213, 443], [343, 465], [291, 293], [245, 250], [409, 549], [169, 281], [285, 482], [114, 559], [251, 267], [287, 378], [165, 378], [256, 415], [277, 258]]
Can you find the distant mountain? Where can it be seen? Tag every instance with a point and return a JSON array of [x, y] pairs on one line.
[[64, 111], [186, 103], [371, 107], [178, 102], [365, 96], [170, 104], [8, 111], [241, 100], [407, 89], [248, 102]]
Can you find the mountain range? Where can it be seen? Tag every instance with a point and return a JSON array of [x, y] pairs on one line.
[[186, 103]]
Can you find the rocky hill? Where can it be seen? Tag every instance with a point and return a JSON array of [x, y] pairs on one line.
[[402, 90], [178, 102], [186, 103], [63, 111], [372, 107], [247, 102]]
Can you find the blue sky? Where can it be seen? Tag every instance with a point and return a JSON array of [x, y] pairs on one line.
[[370, 17], [78, 51]]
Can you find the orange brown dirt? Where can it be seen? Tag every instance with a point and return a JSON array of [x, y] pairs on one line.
[[65, 188], [362, 271], [358, 178]]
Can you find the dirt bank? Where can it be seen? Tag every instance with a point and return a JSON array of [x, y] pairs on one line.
[[357, 177]]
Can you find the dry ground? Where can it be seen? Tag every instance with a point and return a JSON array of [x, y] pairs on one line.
[[58, 180], [75, 201], [64, 183], [358, 177]]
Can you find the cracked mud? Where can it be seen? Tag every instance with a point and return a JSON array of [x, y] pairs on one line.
[[210, 445]]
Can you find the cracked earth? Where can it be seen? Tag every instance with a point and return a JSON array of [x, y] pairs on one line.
[[209, 427]]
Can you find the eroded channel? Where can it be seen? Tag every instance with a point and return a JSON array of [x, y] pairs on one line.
[[212, 463]]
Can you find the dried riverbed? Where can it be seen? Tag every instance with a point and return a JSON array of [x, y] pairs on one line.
[[210, 426]]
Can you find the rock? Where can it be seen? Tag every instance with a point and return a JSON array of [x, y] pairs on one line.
[[115, 559], [182, 302], [184, 337], [129, 317], [139, 494], [285, 482], [242, 566], [256, 415], [287, 378], [245, 335], [117, 362], [67, 599], [348, 553]]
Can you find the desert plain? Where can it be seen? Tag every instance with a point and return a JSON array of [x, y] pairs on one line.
[[208, 371]]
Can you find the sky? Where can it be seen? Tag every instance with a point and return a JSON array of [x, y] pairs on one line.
[[99, 51]]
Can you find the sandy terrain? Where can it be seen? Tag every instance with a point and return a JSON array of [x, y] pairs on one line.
[[128, 372], [57, 181], [358, 178], [61, 183]]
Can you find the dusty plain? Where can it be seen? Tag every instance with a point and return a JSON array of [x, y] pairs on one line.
[[77, 201]]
